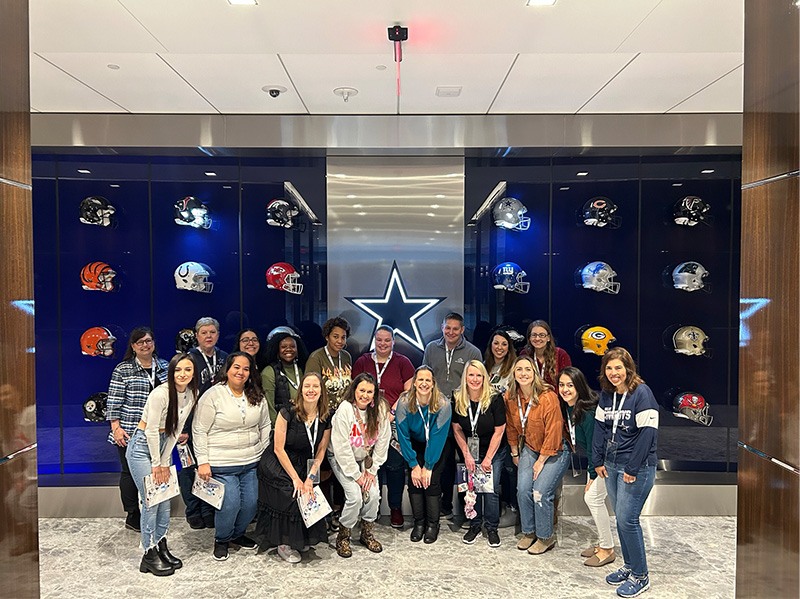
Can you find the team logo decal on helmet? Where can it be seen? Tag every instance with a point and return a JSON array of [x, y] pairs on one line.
[[193, 276], [191, 212], [599, 276], [96, 210], [688, 276], [97, 341], [509, 213], [281, 213], [94, 408], [692, 406], [508, 277], [599, 212], [595, 339], [185, 340], [690, 211], [284, 277], [690, 341], [98, 276]]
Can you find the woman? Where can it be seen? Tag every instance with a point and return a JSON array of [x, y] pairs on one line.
[[534, 432], [140, 371], [393, 372], [549, 359], [423, 421], [581, 403], [150, 452], [479, 425], [499, 360], [624, 449], [247, 341], [230, 431], [280, 379], [302, 433], [360, 435]]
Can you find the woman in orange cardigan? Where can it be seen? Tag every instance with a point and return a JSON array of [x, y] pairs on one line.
[[534, 430]]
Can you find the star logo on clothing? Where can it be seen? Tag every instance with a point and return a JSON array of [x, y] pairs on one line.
[[397, 310]]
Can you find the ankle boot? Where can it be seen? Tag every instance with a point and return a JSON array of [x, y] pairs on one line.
[[152, 562], [343, 542], [432, 506], [417, 501], [166, 556], [367, 539]]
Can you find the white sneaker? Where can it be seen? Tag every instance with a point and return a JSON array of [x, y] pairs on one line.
[[288, 554]]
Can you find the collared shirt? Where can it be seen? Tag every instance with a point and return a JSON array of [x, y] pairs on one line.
[[128, 391]]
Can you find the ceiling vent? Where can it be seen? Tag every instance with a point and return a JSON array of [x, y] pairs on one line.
[[451, 91]]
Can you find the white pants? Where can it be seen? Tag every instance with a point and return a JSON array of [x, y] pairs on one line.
[[595, 499], [354, 506]]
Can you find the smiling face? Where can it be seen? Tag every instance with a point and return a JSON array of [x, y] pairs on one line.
[[617, 375], [238, 373], [423, 383], [249, 343], [184, 371], [524, 374], [566, 389], [474, 380], [144, 347], [207, 337], [287, 350], [384, 342], [538, 338], [499, 348], [337, 339], [365, 393], [452, 331], [311, 389]]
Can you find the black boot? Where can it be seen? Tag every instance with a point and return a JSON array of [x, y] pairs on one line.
[[417, 501], [166, 556], [432, 506], [152, 562]]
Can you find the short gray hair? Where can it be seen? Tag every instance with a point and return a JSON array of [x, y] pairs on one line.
[[204, 322]]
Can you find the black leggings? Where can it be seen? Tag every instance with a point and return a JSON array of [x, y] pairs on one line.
[[435, 488], [127, 488]]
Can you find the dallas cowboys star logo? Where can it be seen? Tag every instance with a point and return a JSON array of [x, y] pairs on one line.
[[397, 310]]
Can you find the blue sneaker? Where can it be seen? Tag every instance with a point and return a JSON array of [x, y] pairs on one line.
[[618, 577], [634, 586]]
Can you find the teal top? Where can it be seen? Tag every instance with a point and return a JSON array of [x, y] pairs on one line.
[[583, 438]]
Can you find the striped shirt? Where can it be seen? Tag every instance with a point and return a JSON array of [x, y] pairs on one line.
[[128, 391]]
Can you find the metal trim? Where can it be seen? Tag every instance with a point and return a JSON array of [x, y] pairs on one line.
[[769, 180], [768, 457], [16, 183]]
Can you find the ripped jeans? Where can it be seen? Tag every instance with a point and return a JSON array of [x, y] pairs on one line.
[[535, 497]]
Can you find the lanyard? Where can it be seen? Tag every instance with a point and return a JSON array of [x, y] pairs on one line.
[[448, 357], [473, 420], [571, 426], [327, 353], [151, 376], [524, 419], [538, 367], [379, 371], [242, 402], [426, 422], [312, 439], [212, 365], [362, 428], [616, 412], [296, 381]]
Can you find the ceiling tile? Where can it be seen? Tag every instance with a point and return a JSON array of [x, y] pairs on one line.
[[724, 95], [52, 90]]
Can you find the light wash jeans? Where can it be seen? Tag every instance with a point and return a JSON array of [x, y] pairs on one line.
[[355, 508], [535, 497], [595, 500], [627, 499], [240, 503], [155, 520]]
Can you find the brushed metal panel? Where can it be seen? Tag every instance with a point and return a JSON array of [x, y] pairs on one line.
[[15, 150]]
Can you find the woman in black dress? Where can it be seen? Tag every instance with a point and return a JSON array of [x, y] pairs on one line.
[[302, 432]]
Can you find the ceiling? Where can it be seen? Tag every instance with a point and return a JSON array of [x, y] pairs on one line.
[[209, 57]]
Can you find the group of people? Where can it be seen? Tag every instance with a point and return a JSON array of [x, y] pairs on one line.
[[271, 434]]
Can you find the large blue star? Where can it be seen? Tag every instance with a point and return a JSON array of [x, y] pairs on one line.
[[397, 310]]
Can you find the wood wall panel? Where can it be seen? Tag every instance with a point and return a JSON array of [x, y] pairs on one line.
[[771, 90], [15, 150]]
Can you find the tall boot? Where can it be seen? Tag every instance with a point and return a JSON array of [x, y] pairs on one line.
[[367, 539], [417, 501], [152, 562], [343, 542], [166, 555], [432, 506]]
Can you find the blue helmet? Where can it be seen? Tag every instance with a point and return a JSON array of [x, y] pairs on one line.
[[508, 276]]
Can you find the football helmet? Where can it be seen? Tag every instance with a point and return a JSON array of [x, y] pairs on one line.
[[509, 213], [599, 212], [690, 341], [98, 276], [692, 406], [94, 408], [193, 276], [689, 276], [595, 339], [282, 330], [691, 210], [96, 210], [185, 340], [284, 277], [191, 212], [97, 341], [281, 213], [508, 276], [599, 276]]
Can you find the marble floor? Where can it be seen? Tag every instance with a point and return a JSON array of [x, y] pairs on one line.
[[86, 558]]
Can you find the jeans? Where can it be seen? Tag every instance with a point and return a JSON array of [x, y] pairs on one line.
[[355, 508], [509, 480], [487, 505], [393, 475], [535, 497], [595, 500], [196, 508], [627, 499], [240, 503], [155, 520]]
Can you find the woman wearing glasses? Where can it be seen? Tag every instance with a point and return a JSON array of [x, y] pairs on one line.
[[247, 341], [548, 359]]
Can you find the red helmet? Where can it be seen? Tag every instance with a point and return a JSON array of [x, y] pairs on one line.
[[97, 341], [283, 276], [693, 406], [98, 276]]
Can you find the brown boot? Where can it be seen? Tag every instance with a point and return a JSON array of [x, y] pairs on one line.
[[343, 542], [367, 540]]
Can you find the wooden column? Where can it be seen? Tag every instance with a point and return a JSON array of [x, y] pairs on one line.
[[768, 538]]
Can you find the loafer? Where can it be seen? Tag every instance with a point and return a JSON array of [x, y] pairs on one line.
[[542, 545], [596, 562], [589, 551], [526, 541]]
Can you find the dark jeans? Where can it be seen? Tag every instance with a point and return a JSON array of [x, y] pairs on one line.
[[435, 488], [196, 508], [509, 480], [448, 476], [393, 475], [487, 505], [127, 488]]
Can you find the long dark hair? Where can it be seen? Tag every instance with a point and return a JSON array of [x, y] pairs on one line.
[[259, 357], [172, 407], [508, 361], [374, 409], [632, 378], [137, 334], [550, 362], [587, 398], [252, 386]]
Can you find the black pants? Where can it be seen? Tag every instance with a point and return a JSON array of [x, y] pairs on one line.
[[448, 475], [127, 488], [435, 488]]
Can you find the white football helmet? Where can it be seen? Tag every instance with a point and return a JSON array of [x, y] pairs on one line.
[[599, 276], [689, 276], [509, 213], [193, 276]]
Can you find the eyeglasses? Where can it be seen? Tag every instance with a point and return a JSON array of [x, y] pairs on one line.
[[143, 342], [247, 340], [539, 335]]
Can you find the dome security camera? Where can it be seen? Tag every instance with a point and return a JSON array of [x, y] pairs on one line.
[[274, 93]]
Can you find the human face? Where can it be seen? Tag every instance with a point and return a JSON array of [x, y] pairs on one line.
[[499, 348], [383, 343], [207, 337], [474, 380], [566, 389], [144, 347], [538, 338], [238, 373], [184, 371], [617, 375], [365, 393], [423, 383], [287, 350], [312, 389], [249, 343], [523, 373], [337, 339], [452, 331]]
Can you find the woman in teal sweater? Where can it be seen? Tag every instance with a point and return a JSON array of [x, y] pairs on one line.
[[581, 403]]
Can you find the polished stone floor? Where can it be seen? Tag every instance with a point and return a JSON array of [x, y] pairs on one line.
[[86, 558]]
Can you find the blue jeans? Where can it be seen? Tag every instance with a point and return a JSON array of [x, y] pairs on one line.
[[487, 505], [535, 497], [240, 503], [155, 520], [627, 500], [393, 475]]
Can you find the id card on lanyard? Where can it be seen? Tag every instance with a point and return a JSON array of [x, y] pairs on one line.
[[473, 442], [571, 426], [426, 422], [311, 473], [523, 420], [616, 411]]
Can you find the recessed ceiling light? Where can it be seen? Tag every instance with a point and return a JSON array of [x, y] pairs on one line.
[[563, 188], [226, 187], [541, 2], [113, 185], [211, 174], [243, 2], [438, 232], [707, 171], [357, 229], [350, 196], [435, 206], [677, 184], [113, 67], [582, 173], [358, 205], [361, 213], [381, 67], [440, 196], [431, 214], [84, 171]]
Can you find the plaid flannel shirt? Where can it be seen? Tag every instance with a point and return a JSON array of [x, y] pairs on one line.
[[128, 391]]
